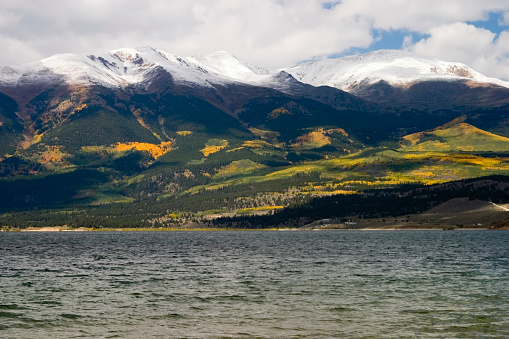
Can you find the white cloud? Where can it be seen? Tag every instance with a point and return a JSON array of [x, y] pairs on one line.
[[270, 33], [479, 48], [458, 41], [421, 16], [505, 19]]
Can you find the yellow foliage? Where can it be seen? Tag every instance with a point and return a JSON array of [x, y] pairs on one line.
[[184, 133], [80, 107], [235, 149], [31, 138], [456, 136], [329, 193], [279, 111], [155, 150], [37, 138], [308, 168], [242, 166], [261, 208], [445, 146], [479, 161], [414, 138], [137, 115], [211, 149], [485, 163], [317, 138], [426, 155], [466, 148], [214, 148], [466, 129], [343, 192], [52, 154], [271, 135], [256, 144], [422, 173]]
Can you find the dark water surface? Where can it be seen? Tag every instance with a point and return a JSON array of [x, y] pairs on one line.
[[331, 284]]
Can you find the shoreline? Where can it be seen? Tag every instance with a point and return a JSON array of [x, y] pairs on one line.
[[283, 229]]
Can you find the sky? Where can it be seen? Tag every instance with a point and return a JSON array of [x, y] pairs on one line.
[[268, 33]]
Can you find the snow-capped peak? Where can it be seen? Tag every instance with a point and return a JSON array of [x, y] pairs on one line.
[[126, 54], [117, 68], [137, 66], [224, 64], [398, 68]]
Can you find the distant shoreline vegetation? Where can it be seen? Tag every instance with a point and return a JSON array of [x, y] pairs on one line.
[[183, 229], [470, 203]]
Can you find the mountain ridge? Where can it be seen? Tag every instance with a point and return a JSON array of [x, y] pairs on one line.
[[398, 68], [127, 66]]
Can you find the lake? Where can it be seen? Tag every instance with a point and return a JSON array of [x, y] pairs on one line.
[[259, 284]]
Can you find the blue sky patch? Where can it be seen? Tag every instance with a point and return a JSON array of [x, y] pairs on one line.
[[384, 40], [495, 23]]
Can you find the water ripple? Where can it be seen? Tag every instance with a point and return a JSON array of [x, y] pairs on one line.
[[338, 284]]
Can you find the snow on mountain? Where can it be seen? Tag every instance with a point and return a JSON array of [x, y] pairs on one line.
[[281, 81], [224, 64], [64, 68], [398, 68], [31, 73], [128, 66]]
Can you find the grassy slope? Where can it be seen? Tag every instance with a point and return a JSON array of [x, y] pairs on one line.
[[462, 137], [458, 152]]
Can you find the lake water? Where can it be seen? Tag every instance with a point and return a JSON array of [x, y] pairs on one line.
[[304, 284]]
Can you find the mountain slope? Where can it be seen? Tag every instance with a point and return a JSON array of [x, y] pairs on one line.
[[213, 132], [397, 68], [398, 78], [118, 68], [226, 65], [457, 137], [146, 85]]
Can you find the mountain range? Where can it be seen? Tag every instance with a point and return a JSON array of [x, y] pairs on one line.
[[135, 124]]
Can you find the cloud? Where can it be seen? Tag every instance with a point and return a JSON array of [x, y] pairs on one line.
[[273, 33], [269, 33], [505, 19], [479, 48], [456, 41], [421, 16]]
